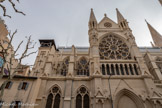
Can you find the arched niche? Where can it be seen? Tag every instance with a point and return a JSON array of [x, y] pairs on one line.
[[127, 99]]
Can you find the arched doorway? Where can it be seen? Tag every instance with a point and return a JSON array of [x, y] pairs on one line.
[[127, 99]]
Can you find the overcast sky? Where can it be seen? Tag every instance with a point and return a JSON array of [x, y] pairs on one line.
[[66, 21]]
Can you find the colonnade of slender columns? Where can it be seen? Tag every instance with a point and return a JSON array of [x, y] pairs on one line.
[[119, 69]]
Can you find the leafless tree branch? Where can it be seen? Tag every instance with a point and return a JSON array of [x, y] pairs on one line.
[[11, 37], [18, 48], [13, 6], [4, 11], [8, 62]]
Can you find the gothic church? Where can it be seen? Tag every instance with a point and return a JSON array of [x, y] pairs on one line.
[[113, 72]]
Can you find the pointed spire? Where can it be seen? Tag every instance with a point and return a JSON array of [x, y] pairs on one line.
[[122, 22], [92, 20], [157, 38], [119, 16], [92, 16]]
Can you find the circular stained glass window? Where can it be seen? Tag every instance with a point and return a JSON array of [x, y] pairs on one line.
[[107, 24], [112, 47]]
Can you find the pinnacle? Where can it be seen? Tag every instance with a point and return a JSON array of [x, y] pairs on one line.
[[92, 16], [119, 16], [105, 15], [156, 36]]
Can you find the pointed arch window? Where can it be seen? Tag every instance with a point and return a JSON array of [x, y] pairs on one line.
[[83, 67], [126, 69], [117, 69], [57, 101], [131, 69], [65, 65], [112, 47], [108, 69], [135, 69], [79, 101], [49, 101], [103, 69], [82, 98], [121, 69], [54, 98], [112, 70]]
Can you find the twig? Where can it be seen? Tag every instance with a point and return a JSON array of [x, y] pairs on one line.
[[4, 11], [13, 5]]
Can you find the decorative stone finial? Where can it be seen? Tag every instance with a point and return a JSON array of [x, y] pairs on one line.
[[105, 15]]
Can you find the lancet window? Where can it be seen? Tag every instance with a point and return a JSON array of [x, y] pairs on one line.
[[54, 98], [64, 67], [82, 98], [119, 69], [112, 47], [83, 67]]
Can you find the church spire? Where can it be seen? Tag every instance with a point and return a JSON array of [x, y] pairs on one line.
[[92, 20], [157, 38], [121, 20], [119, 16]]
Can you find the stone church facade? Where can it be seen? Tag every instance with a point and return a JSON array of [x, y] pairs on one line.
[[113, 72]]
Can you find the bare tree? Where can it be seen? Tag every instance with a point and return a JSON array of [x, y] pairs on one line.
[[13, 6], [9, 55]]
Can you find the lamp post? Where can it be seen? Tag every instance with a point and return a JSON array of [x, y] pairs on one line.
[[110, 90]]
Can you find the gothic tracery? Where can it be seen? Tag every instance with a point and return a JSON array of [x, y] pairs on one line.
[[112, 47], [82, 98], [54, 98], [83, 67], [64, 68]]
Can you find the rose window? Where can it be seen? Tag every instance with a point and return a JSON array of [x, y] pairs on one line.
[[107, 24], [112, 47]]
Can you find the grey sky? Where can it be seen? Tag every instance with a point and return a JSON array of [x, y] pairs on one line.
[[66, 21]]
